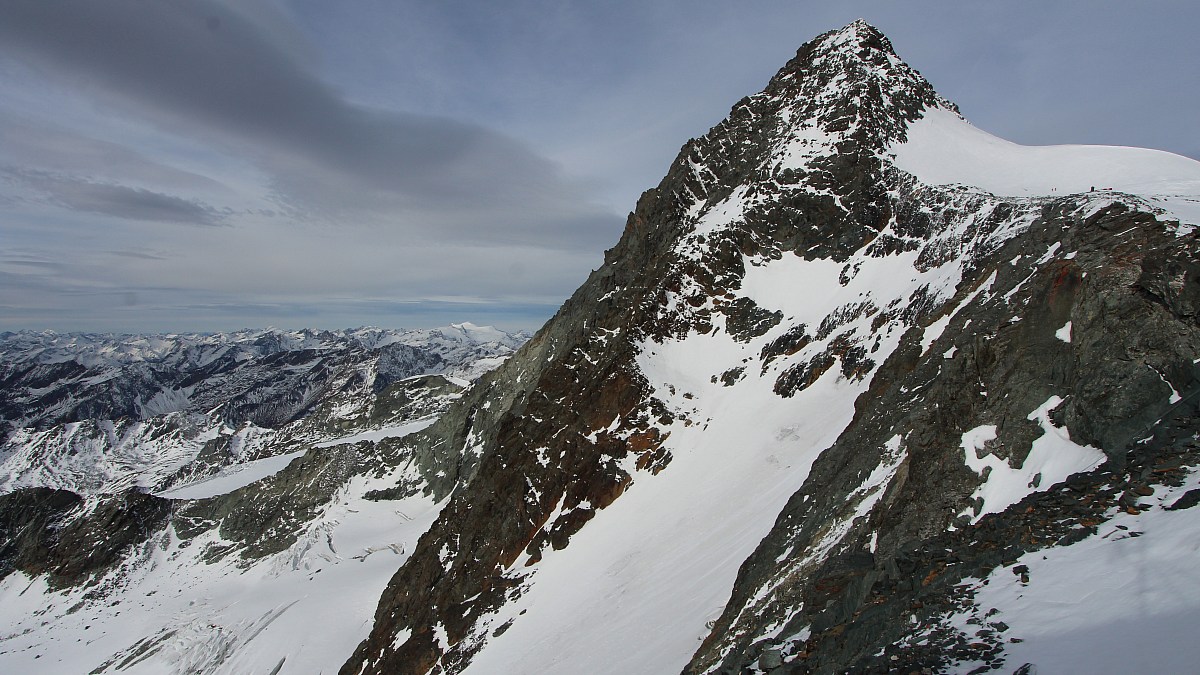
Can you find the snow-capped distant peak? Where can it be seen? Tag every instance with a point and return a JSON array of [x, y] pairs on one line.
[[481, 333]]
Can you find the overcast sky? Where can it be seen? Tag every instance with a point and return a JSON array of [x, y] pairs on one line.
[[201, 165]]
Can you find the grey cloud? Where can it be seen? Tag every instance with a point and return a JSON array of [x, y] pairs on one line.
[[116, 200], [135, 203], [32, 264], [140, 255], [199, 65], [39, 301], [48, 147], [174, 55], [24, 263], [32, 290]]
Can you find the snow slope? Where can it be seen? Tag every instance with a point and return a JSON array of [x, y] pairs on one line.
[[733, 469], [301, 611], [738, 453], [1126, 600]]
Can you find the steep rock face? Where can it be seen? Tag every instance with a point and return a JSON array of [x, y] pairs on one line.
[[532, 494], [804, 354]]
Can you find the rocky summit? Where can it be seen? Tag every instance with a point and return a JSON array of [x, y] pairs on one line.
[[861, 388]]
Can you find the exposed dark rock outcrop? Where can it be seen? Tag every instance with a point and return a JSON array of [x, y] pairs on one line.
[[51, 532]]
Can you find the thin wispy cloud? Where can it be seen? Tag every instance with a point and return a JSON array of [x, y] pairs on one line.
[[119, 201]]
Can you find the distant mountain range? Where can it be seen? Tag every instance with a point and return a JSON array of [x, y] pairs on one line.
[[96, 413], [268, 376]]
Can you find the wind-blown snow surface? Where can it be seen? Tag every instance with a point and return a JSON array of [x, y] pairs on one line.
[[301, 611], [942, 148], [1126, 600]]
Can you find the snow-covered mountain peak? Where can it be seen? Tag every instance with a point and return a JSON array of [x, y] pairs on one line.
[[857, 40], [817, 132], [857, 32], [851, 82]]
